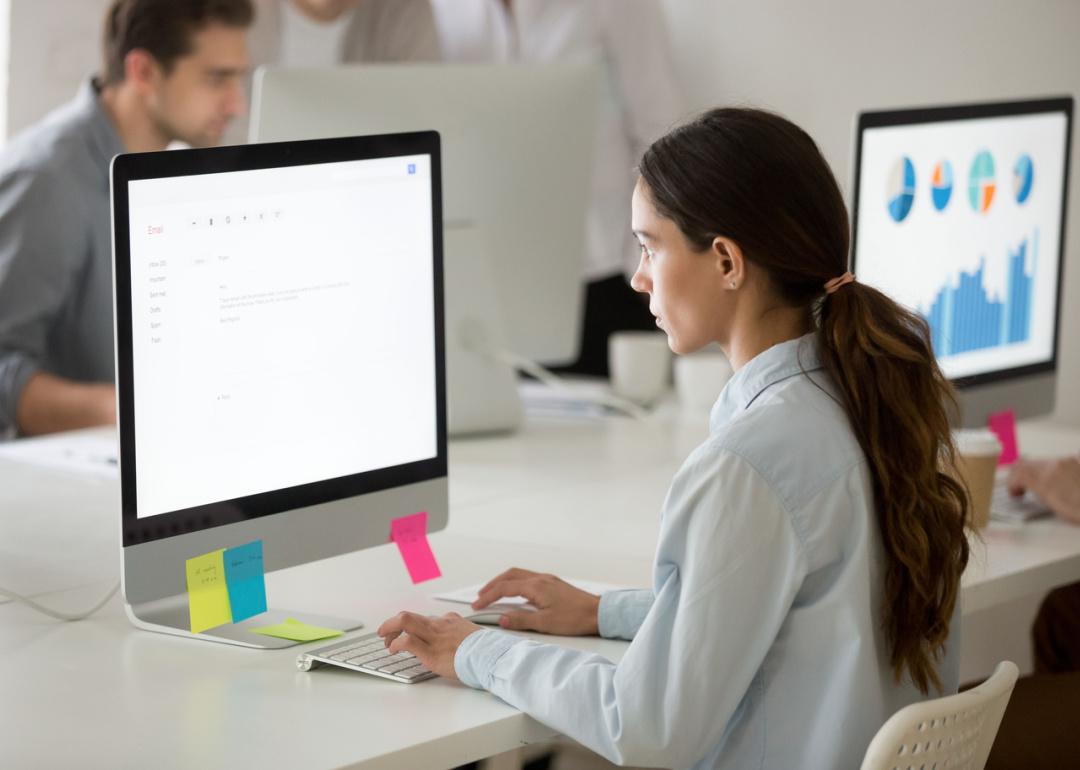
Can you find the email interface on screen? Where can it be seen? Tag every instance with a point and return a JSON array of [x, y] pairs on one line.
[[283, 327], [961, 221]]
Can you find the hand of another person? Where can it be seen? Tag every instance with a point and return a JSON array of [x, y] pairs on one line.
[[560, 608], [434, 641], [1055, 482]]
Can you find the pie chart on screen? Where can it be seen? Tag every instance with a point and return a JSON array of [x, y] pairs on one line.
[[900, 192], [1023, 176], [941, 184], [981, 185]]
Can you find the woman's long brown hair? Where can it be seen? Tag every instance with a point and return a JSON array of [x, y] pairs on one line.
[[760, 180]]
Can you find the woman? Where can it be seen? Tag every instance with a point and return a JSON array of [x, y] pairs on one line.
[[810, 554]]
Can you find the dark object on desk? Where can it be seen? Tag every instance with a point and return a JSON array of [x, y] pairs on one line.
[[1056, 635], [610, 306], [1039, 730]]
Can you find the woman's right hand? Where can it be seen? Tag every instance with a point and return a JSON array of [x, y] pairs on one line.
[[561, 609]]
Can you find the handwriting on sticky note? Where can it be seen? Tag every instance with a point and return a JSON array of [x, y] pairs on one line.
[[297, 631], [1003, 424], [208, 592], [410, 534], [246, 580]]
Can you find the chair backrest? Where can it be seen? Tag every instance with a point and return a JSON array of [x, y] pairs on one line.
[[954, 732]]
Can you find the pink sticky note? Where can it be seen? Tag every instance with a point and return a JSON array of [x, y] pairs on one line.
[[1003, 424], [410, 534]]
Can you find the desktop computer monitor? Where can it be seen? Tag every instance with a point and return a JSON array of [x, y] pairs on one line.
[[959, 213], [280, 360], [518, 144]]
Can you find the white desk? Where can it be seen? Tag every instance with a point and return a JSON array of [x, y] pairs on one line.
[[600, 486], [580, 499]]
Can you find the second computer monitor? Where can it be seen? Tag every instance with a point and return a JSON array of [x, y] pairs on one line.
[[959, 213], [280, 361], [518, 143]]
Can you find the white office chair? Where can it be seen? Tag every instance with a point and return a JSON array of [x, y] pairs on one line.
[[954, 732]]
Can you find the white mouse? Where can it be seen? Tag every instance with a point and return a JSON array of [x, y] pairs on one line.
[[485, 618], [489, 616]]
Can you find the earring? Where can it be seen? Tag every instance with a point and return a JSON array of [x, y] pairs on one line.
[[733, 284]]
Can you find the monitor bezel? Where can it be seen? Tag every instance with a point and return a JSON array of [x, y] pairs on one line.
[[951, 113], [177, 163]]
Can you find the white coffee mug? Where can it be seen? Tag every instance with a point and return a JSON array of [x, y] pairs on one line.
[[699, 378], [639, 363]]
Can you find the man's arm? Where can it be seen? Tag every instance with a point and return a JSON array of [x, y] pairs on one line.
[[49, 404], [40, 257]]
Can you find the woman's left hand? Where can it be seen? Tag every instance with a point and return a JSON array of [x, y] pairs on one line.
[[433, 640]]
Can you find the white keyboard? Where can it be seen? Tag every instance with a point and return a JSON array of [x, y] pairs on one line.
[[367, 654], [1014, 510]]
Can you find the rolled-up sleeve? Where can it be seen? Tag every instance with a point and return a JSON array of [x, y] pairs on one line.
[[727, 571], [39, 253]]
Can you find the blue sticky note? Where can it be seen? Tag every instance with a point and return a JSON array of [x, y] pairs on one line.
[[246, 580]]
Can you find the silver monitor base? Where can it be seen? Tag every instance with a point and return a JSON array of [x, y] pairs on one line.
[[170, 616]]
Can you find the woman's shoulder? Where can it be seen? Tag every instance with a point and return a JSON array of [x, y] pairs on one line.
[[798, 439]]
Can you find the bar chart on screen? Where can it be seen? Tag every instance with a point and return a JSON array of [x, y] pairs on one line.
[[965, 315]]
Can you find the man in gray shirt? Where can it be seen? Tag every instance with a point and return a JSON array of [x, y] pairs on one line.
[[173, 71]]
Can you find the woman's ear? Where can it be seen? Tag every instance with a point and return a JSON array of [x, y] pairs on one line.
[[730, 264]]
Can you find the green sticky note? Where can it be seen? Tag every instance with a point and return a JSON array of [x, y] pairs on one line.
[[208, 591], [297, 631]]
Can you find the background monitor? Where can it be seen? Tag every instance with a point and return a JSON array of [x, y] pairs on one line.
[[517, 145], [959, 213], [280, 362]]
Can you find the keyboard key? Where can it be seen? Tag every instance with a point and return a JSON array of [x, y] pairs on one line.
[[360, 660], [415, 671], [348, 652], [393, 668]]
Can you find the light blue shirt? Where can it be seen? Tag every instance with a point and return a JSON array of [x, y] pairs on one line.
[[760, 644]]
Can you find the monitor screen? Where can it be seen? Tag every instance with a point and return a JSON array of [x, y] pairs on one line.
[[959, 215], [282, 328]]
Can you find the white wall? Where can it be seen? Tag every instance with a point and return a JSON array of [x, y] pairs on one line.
[[5, 36], [817, 61], [821, 62], [54, 46]]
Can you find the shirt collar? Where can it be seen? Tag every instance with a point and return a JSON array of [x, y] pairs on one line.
[[104, 140], [780, 362]]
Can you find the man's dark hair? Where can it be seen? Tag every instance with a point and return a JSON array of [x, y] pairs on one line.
[[163, 28]]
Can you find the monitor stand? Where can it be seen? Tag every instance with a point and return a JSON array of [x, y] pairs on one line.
[[170, 616]]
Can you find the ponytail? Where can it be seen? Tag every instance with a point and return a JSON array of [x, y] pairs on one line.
[[880, 357]]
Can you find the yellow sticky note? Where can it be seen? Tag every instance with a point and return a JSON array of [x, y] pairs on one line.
[[297, 631], [208, 591]]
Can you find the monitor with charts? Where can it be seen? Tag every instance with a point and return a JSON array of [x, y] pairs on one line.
[[959, 214], [280, 363]]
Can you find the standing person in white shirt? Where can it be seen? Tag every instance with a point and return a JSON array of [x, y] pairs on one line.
[[641, 101], [808, 571], [325, 33]]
